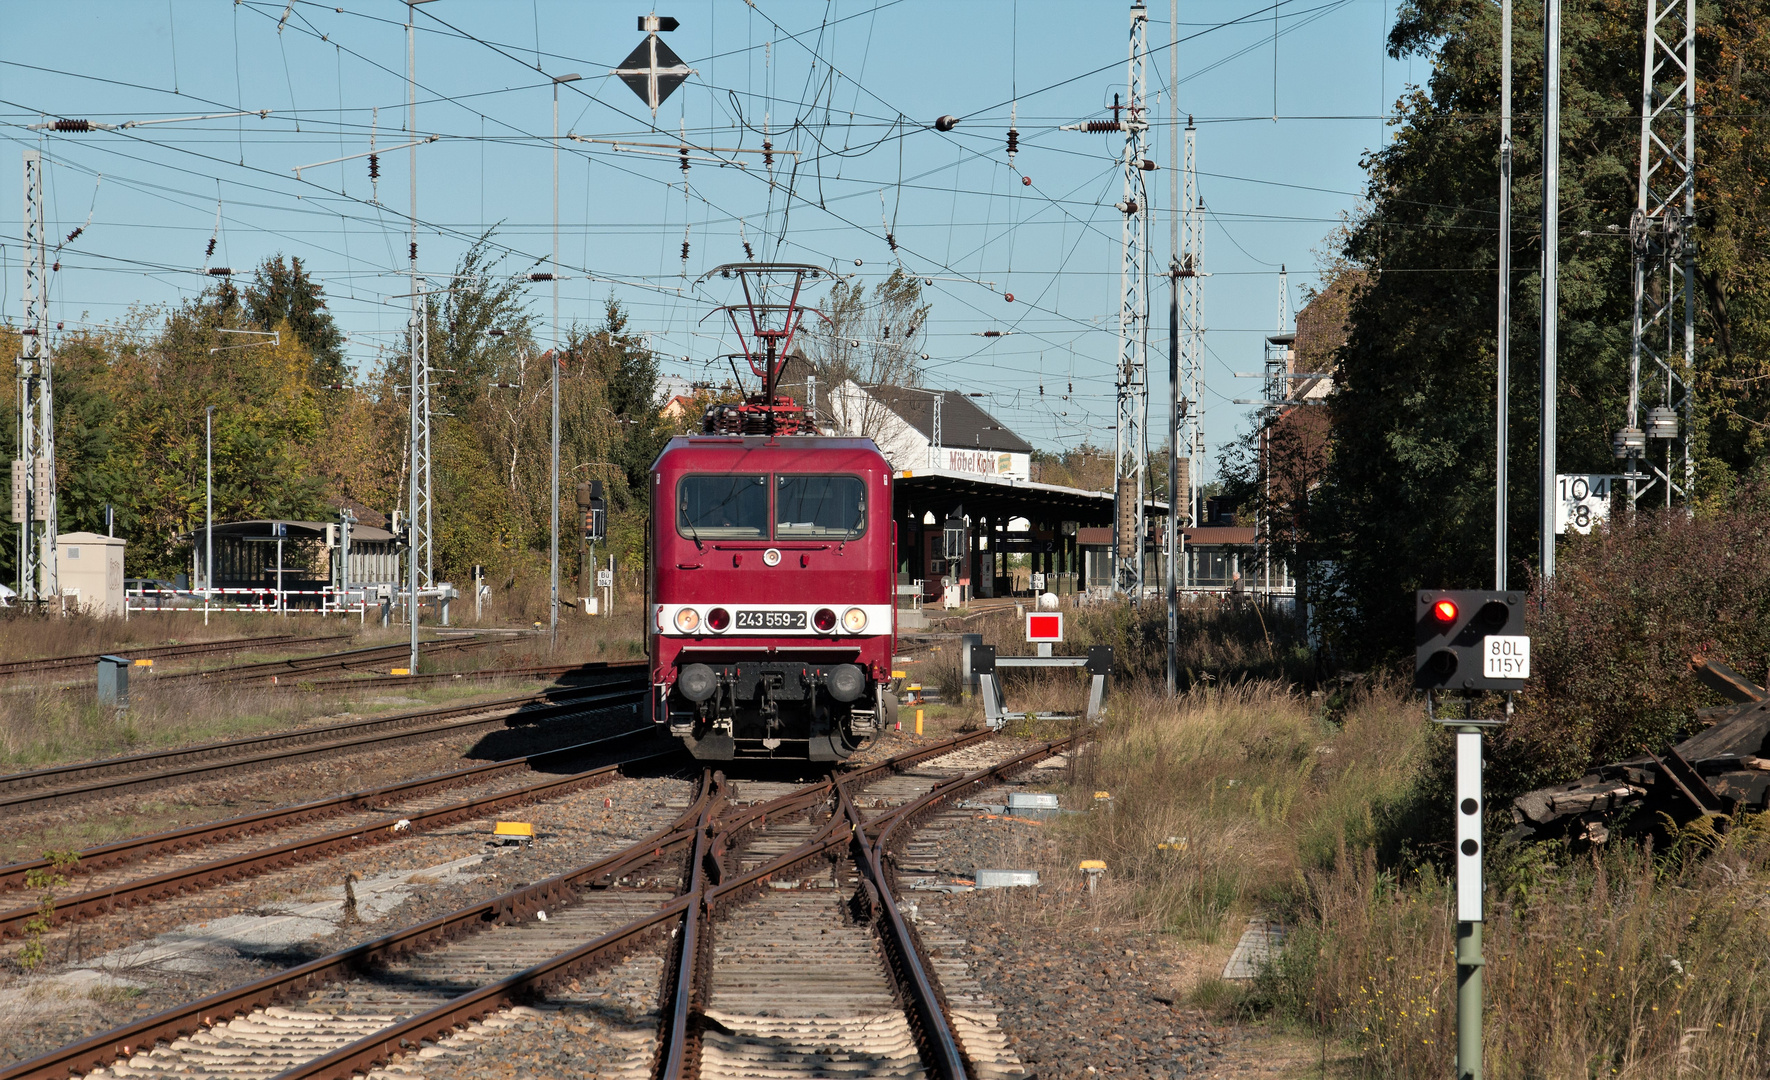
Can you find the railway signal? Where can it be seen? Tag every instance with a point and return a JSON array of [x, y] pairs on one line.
[[1470, 639]]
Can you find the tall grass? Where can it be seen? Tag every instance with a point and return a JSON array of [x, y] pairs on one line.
[[25, 635], [1223, 802], [1629, 962], [1622, 964]]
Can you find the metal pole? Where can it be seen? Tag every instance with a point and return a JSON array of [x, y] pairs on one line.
[[208, 501], [417, 361], [1174, 392], [1689, 243], [1551, 263], [281, 610], [1174, 473], [553, 548], [1503, 350]]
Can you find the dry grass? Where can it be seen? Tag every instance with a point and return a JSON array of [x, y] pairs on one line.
[[1222, 802], [26, 636], [1628, 963], [1624, 964], [41, 727]]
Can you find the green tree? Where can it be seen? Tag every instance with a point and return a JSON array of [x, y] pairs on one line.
[[1408, 497], [282, 293]]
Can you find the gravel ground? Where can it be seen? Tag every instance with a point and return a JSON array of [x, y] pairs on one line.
[[91, 822], [1079, 997], [40, 1012]]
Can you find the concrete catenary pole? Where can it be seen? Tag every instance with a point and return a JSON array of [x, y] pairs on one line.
[[1503, 346], [1551, 264]]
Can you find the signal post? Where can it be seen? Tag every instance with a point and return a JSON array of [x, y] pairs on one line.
[[1469, 642]]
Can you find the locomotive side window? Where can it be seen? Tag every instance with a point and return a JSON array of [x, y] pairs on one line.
[[832, 507], [722, 507]]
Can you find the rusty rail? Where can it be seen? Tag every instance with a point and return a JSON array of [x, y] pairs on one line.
[[248, 864], [50, 664], [212, 758], [337, 661], [102, 1049], [520, 904]]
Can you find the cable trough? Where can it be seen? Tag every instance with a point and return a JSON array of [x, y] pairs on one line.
[[686, 900]]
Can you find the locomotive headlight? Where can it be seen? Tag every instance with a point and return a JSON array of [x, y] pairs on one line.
[[688, 620], [854, 620]]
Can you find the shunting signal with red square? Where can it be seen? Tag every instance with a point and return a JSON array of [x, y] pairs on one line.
[[1044, 626]]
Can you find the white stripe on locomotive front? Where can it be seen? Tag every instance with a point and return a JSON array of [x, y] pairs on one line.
[[664, 620]]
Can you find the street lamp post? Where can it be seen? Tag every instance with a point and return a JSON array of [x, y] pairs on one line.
[[208, 508], [553, 570]]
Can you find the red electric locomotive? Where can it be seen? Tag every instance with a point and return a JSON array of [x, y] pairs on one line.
[[771, 574]]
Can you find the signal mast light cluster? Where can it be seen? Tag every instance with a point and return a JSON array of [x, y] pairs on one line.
[[1470, 639]]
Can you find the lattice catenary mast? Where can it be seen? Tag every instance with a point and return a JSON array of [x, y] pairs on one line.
[[1192, 329], [33, 472], [1131, 444], [1665, 258]]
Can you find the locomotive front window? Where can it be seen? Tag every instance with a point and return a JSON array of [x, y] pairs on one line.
[[722, 507], [832, 507]]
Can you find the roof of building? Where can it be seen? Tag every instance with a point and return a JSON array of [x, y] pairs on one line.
[[1221, 534], [264, 528], [964, 425]]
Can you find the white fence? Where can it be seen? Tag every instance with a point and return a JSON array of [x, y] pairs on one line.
[[325, 601]]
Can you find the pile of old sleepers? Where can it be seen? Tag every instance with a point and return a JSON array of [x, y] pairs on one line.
[[1715, 773]]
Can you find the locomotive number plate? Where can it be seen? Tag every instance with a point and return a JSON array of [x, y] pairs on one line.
[[770, 620]]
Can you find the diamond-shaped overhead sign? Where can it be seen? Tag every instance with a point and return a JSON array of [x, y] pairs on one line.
[[653, 71]]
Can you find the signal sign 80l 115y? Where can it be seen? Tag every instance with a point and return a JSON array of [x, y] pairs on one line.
[[1470, 639]]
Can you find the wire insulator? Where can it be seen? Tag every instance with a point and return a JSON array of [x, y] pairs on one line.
[[1013, 142], [682, 155], [73, 125], [1102, 125], [892, 240], [210, 250], [374, 167], [767, 153], [749, 252], [412, 251], [685, 249], [74, 235]]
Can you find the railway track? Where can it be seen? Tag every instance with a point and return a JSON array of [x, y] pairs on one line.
[[347, 660], [150, 868], [845, 990], [390, 682], [126, 775], [54, 664]]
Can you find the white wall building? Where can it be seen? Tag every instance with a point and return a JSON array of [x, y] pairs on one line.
[[903, 421]]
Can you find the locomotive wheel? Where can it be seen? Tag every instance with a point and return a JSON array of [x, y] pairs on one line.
[[889, 720]]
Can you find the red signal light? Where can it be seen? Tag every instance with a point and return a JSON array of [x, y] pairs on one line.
[[718, 619], [824, 620], [1445, 611]]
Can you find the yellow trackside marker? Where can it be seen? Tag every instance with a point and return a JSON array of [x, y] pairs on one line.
[[918, 721], [144, 663], [514, 828], [900, 674], [1093, 864], [401, 671]]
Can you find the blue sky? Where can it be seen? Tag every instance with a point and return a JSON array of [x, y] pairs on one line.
[[853, 87]]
